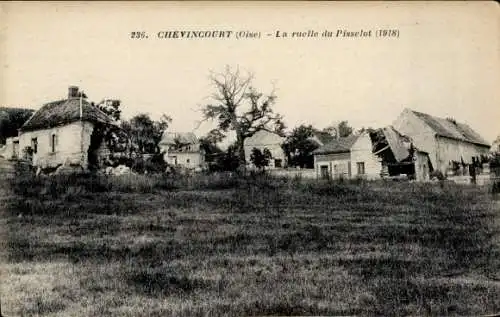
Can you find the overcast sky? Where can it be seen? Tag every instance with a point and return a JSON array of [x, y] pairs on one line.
[[446, 61]]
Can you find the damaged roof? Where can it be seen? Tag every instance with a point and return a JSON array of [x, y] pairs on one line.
[[64, 111], [398, 143], [341, 145], [451, 129]]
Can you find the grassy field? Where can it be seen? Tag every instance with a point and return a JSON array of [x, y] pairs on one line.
[[246, 247]]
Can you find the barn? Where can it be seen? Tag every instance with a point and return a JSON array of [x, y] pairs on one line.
[[447, 142]]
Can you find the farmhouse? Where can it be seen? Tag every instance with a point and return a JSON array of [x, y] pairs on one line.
[[63, 132], [448, 143], [267, 140], [347, 157], [182, 149]]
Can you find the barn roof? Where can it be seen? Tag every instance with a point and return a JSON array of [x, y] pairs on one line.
[[340, 145], [64, 112], [451, 129]]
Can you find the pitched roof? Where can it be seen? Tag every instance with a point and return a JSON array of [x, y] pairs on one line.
[[450, 129], [172, 138], [63, 112], [341, 145]]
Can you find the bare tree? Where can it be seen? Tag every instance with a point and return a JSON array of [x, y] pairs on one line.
[[239, 107]]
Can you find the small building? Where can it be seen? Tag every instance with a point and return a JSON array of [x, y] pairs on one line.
[[62, 133], [267, 140], [347, 157], [182, 149], [448, 143]]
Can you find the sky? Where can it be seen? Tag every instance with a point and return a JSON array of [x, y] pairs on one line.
[[445, 61]]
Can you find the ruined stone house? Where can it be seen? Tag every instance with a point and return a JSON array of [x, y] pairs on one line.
[[398, 155], [63, 132]]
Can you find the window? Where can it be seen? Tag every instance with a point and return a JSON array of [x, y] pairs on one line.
[[53, 142], [187, 161], [34, 145], [277, 163], [361, 168]]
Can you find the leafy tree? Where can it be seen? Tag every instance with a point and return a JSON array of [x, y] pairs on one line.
[[230, 161], [239, 107], [299, 146], [11, 119], [260, 158], [343, 129], [146, 133]]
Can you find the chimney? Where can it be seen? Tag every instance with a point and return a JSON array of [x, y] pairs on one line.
[[72, 92]]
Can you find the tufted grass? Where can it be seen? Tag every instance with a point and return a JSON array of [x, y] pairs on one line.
[[229, 246]]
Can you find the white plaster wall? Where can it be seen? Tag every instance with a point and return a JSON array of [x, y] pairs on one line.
[[454, 150], [422, 172], [361, 151], [195, 159], [69, 145]]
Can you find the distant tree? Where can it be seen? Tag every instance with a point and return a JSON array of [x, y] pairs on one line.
[[208, 144], [239, 107], [299, 146], [230, 159], [363, 129], [260, 158], [146, 133], [342, 129], [225, 160], [111, 107], [11, 119]]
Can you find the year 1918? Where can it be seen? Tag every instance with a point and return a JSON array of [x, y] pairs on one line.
[[387, 33]]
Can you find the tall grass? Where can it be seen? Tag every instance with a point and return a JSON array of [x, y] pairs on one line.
[[228, 245]]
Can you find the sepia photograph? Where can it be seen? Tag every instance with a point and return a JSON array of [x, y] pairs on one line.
[[251, 158]]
